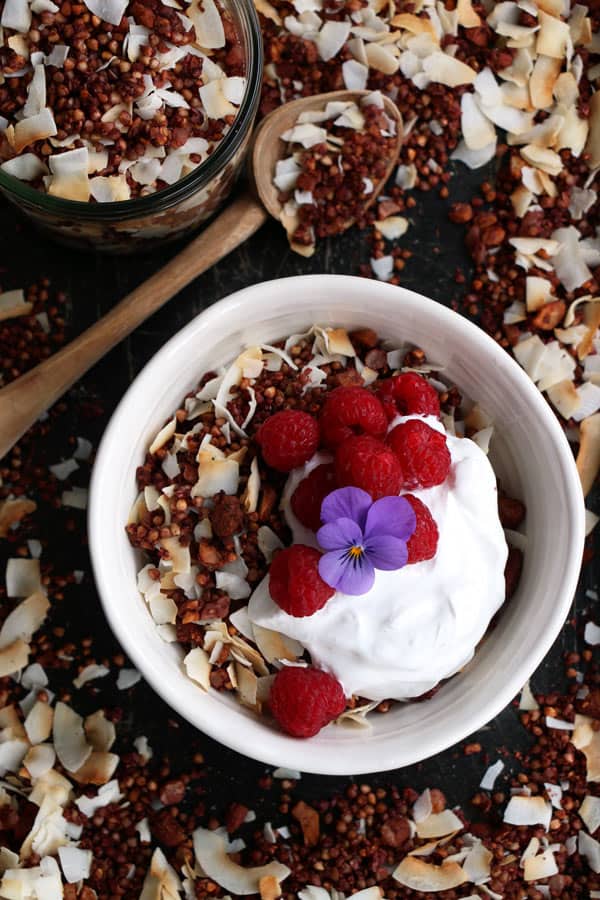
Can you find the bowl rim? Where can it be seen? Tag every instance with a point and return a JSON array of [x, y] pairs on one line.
[[198, 178], [280, 750]]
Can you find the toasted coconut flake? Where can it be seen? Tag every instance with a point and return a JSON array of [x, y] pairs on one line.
[[276, 646], [209, 848], [12, 753], [331, 39], [477, 129], [25, 619], [423, 808], [574, 132], [467, 17], [439, 824], [355, 75], [197, 667], [477, 865], [527, 700], [108, 10], [591, 634], [554, 38], [13, 304], [16, 15], [161, 882], [268, 542], [98, 769], [127, 678], [474, 159], [337, 341], [26, 167], [382, 59], [107, 793], [528, 811], [267, 10], [216, 475], [383, 268], [164, 436], [247, 685], [569, 264], [538, 291], [447, 70], [542, 866], [13, 657], [565, 398], [38, 723], [89, 673], [520, 69], [419, 875], [39, 759], [542, 158], [69, 740], [250, 495], [589, 848], [179, 556], [570, 314], [100, 732], [306, 134], [393, 227], [543, 78], [216, 104], [589, 811], [491, 774], [75, 863], [206, 17], [22, 577], [588, 457], [593, 142], [69, 178]]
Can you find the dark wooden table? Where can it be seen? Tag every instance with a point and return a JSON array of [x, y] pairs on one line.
[[94, 283]]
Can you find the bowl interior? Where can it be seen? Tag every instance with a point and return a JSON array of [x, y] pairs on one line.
[[530, 455]]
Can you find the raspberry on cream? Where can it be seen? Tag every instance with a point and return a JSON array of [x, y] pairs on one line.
[[419, 624]]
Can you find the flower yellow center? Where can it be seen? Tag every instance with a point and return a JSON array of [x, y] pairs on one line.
[[355, 552]]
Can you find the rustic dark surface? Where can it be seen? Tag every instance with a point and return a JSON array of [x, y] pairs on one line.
[[94, 283]]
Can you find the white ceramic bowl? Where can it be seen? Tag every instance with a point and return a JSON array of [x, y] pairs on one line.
[[530, 454]]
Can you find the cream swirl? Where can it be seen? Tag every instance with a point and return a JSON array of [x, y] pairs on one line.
[[419, 624]]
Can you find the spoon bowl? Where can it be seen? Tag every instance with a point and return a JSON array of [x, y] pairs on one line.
[[268, 148]]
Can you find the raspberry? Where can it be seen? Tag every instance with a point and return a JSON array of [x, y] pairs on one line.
[[423, 542], [309, 495], [294, 581], [288, 439], [367, 463], [348, 411], [408, 394], [423, 454], [304, 700]]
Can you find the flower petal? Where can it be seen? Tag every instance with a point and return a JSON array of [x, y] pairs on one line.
[[350, 576], [340, 535], [386, 551], [391, 515], [346, 503]]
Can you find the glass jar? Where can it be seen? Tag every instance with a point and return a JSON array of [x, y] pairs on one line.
[[134, 225]]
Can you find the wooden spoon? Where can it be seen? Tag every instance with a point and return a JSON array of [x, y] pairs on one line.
[[26, 398]]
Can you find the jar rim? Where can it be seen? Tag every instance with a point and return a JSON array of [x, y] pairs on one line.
[[196, 180]]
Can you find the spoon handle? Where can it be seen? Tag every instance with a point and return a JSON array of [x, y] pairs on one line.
[[26, 398]]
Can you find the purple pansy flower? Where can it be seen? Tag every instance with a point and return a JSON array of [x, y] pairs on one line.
[[360, 535]]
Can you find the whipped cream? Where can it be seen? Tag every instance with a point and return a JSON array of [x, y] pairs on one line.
[[419, 624]]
